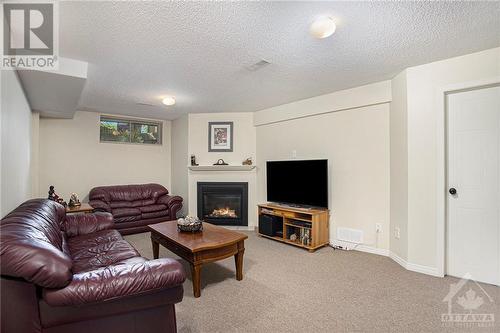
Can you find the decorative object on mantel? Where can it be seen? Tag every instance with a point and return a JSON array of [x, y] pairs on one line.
[[74, 201], [193, 161], [220, 161], [248, 161], [54, 197], [220, 136], [189, 224]]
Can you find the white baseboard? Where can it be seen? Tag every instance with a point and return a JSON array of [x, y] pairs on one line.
[[398, 259], [373, 250], [415, 267], [384, 252], [423, 269], [359, 247]]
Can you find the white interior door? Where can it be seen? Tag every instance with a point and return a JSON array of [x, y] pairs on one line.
[[473, 229]]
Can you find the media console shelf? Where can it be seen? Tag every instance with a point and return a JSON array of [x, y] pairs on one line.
[[310, 226]]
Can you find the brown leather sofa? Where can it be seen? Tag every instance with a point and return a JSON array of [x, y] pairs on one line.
[[135, 206], [75, 273]]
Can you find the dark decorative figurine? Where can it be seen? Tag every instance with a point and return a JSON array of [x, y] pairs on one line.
[[193, 160], [54, 197], [52, 194]]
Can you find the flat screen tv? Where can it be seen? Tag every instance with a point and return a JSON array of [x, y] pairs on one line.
[[298, 182]]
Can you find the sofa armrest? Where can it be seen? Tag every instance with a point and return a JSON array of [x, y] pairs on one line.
[[81, 224], [169, 200], [100, 206], [118, 281], [173, 202]]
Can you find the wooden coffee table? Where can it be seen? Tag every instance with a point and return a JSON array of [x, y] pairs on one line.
[[212, 244]]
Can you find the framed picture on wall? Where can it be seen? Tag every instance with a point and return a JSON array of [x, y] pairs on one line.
[[220, 136]]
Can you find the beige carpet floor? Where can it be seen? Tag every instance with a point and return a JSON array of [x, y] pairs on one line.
[[288, 289]]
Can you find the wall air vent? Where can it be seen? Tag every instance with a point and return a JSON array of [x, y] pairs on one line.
[[258, 65]]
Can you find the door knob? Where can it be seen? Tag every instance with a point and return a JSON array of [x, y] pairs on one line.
[[452, 191]]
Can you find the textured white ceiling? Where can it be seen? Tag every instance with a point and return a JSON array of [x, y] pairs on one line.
[[198, 51]]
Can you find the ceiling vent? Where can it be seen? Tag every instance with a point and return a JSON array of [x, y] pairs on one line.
[[258, 65], [143, 104]]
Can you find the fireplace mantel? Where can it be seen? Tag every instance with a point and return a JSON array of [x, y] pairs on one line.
[[222, 167], [227, 173]]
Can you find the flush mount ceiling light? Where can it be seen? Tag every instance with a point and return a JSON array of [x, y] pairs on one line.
[[323, 27], [169, 100]]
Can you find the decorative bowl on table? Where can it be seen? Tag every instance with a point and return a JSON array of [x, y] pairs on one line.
[[189, 224]]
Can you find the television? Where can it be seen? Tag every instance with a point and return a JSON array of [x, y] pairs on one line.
[[298, 182]]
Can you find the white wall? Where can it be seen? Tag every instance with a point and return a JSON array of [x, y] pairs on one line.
[[243, 137], [73, 160], [16, 144], [356, 143], [35, 153], [424, 136], [180, 159], [370, 94]]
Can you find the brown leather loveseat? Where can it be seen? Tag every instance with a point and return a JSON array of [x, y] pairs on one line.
[[75, 273], [135, 206]]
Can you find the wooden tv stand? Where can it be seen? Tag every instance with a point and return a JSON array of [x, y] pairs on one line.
[[301, 222]]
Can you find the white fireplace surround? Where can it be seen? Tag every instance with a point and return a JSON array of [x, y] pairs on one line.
[[248, 176]]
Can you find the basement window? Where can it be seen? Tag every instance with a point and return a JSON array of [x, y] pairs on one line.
[[135, 131]]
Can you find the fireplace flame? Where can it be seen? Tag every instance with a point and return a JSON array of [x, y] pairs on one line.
[[224, 212]]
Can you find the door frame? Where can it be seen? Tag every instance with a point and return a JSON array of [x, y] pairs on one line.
[[442, 165]]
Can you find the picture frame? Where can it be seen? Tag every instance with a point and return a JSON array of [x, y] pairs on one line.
[[220, 136]]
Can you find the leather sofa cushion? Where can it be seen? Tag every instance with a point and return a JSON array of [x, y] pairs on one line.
[[127, 192], [106, 247], [152, 208], [123, 212], [94, 239], [131, 204], [81, 224], [120, 280], [124, 204], [148, 202], [119, 220], [152, 215]]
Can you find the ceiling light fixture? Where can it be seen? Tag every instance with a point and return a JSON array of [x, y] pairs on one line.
[[169, 100], [323, 27]]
